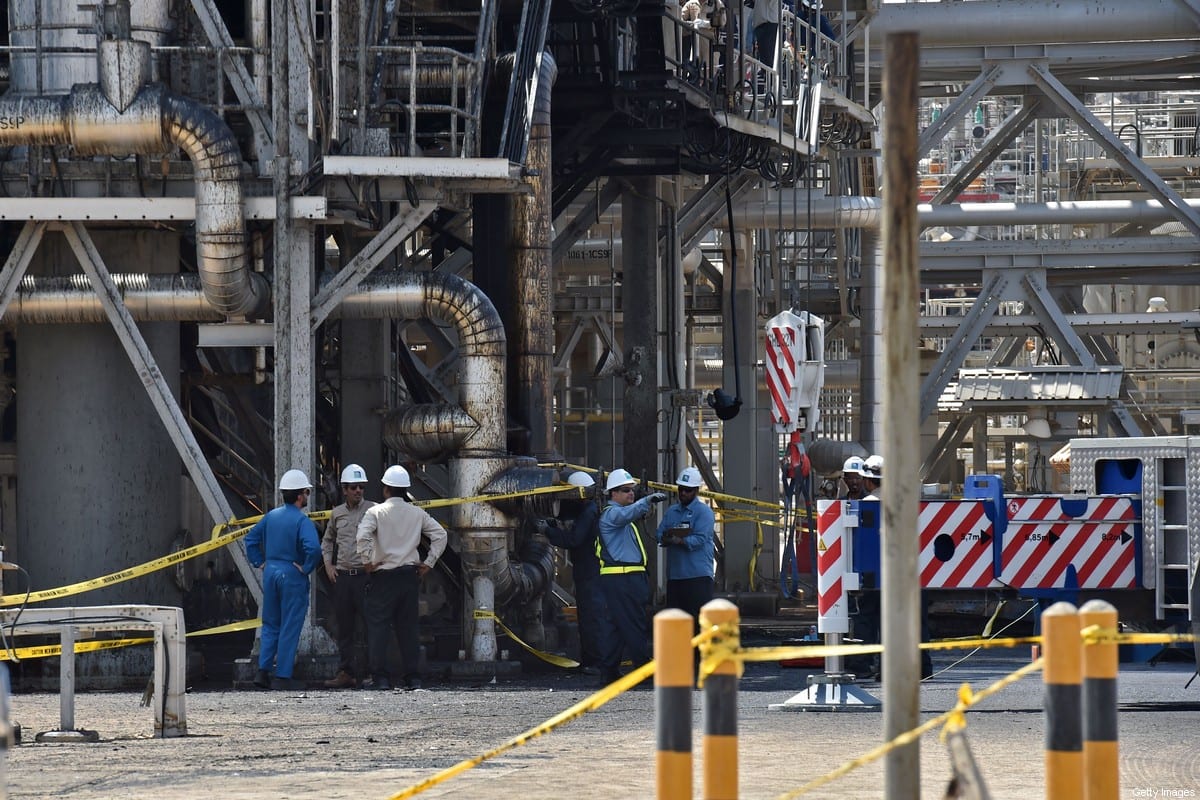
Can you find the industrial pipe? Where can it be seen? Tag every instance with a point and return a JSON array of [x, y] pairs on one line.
[[155, 121]]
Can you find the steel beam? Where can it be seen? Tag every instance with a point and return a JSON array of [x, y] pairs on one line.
[[1085, 324], [700, 214], [995, 288], [239, 78], [18, 261], [1055, 321], [964, 60], [160, 393], [1132, 253], [1118, 150], [938, 459], [588, 215], [957, 109], [991, 148], [141, 209], [347, 279]]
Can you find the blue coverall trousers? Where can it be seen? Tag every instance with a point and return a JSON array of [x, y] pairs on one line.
[[284, 605]]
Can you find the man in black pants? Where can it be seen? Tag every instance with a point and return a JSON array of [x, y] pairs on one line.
[[388, 537], [346, 571]]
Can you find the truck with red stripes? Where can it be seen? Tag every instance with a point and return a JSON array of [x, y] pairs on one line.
[[1129, 531]]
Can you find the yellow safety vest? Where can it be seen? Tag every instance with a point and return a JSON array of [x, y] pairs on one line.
[[621, 569]]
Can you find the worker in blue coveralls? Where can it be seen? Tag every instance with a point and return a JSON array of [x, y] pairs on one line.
[[623, 576], [285, 544], [579, 538], [686, 532]]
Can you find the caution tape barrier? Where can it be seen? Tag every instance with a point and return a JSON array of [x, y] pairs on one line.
[[721, 648], [91, 646], [549, 658], [955, 716], [227, 533]]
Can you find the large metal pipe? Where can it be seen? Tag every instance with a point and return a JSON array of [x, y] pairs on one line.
[[156, 121], [1013, 22], [482, 455]]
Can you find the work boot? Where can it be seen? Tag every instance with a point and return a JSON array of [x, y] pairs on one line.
[[287, 684], [343, 680], [378, 683], [262, 679], [412, 683]]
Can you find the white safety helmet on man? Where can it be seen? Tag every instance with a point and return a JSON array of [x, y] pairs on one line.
[[853, 466], [689, 478], [873, 467], [581, 479], [397, 477], [294, 480], [619, 477], [353, 473]]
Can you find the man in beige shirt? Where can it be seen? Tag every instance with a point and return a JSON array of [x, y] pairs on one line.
[[388, 537], [346, 571]]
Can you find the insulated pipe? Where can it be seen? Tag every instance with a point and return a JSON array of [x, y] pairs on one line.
[[1015, 22], [428, 432], [154, 122], [483, 528]]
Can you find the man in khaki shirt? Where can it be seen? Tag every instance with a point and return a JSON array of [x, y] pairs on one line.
[[388, 537], [346, 571]]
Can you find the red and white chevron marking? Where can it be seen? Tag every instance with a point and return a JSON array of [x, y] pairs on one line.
[[833, 613], [1043, 540], [956, 545], [781, 376]]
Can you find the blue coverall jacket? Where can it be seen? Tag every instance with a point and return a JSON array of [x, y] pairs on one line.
[[693, 558], [283, 538]]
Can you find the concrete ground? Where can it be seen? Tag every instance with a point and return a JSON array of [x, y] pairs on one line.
[[362, 745]]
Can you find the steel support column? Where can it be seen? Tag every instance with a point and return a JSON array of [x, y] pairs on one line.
[[640, 304]]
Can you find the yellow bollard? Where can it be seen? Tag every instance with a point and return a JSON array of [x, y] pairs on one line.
[[1061, 674], [720, 710], [673, 678], [1102, 771]]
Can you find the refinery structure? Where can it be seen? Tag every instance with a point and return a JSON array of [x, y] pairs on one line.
[[489, 239]]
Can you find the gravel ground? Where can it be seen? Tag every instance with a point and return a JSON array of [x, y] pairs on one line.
[[355, 744]]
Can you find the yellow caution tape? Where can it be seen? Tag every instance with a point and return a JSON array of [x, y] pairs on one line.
[[550, 658], [89, 646], [589, 703], [965, 700], [226, 533]]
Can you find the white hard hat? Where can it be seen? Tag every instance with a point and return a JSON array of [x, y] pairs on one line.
[[581, 478], [353, 473], [853, 465], [294, 479], [873, 467], [689, 478], [396, 476], [618, 477]]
